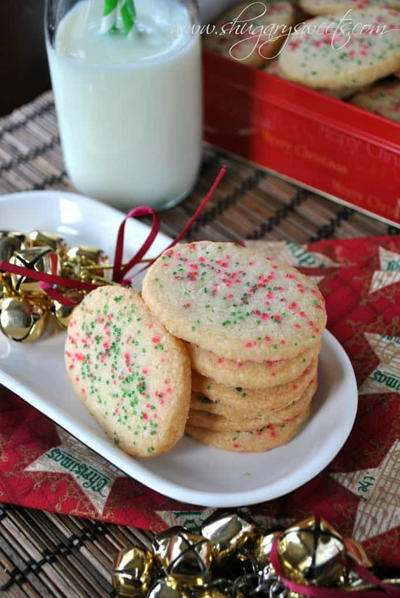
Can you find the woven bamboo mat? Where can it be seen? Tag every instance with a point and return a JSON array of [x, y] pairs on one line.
[[47, 555]]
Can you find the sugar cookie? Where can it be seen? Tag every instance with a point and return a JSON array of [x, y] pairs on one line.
[[250, 374], [234, 301], [326, 7], [234, 402], [130, 373], [258, 441], [382, 99], [220, 423], [337, 51]]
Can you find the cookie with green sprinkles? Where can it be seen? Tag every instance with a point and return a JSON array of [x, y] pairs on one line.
[[349, 49], [272, 67], [202, 415], [235, 301], [382, 99], [252, 375], [256, 441], [129, 372], [326, 7], [236, 401]]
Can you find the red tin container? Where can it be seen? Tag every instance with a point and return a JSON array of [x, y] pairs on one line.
[[349, 154]]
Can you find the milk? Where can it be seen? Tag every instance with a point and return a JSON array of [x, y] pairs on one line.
[[129, 108]]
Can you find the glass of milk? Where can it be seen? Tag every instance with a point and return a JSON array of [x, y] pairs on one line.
[[129, 107]]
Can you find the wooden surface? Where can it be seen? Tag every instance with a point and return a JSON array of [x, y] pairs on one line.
[[47, 555]]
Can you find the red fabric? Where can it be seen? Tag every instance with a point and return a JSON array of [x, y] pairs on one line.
[[358, 492]]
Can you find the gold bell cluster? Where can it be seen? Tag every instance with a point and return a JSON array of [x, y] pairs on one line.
[[231, 558], [27, 312]]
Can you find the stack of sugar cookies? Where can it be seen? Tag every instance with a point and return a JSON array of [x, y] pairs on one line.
[[348, 49], [253, 329]]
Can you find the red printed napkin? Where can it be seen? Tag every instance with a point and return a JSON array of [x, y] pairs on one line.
[[43, 467]]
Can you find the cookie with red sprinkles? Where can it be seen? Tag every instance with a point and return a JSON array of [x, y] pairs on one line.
[[257, 441], [382, 99], [341, 94], [237, 401], [349, 49], [203, 415], [234, 301], [326, 7], [252, 375], [129, 372]]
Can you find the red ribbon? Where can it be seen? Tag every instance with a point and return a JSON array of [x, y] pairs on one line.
[[119, 271], [315, 592], [56, 295], [49, 281], [49, 278]]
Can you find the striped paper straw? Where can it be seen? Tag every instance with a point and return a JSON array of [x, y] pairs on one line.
[[128, 14], [109, 22]]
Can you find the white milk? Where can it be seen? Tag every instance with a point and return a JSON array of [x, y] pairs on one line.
[[129, 108]]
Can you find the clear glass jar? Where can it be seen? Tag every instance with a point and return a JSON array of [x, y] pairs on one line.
[[129, 107]]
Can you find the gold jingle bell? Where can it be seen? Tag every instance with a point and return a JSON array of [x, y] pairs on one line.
[[167, 588], [188, 558], [85, 253], [9, 243], [161, 542], [228, 532], [212, 593], [262, 547], [81, 262], [313, 553], [62, 312], [40, 238], [133, 569], [13, 233], [5, 287], [21, 320], [40, 259]]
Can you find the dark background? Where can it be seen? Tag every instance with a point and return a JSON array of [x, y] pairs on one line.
[[23, 63]]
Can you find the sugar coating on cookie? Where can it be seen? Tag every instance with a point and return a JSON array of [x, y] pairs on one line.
[[382, 99], [235, 301], [257, 441], [272, 67], [343, 50], [129, 372], [326, 7], [247, 401], [250, 374], [206, 405], [251, 32], [203, 416]]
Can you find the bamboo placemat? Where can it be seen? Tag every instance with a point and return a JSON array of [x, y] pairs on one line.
[[48, 555]]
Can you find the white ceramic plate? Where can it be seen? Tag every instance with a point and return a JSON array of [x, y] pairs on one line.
[[191, 472]]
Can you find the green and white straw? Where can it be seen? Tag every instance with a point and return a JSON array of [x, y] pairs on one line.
[[113, 8]]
